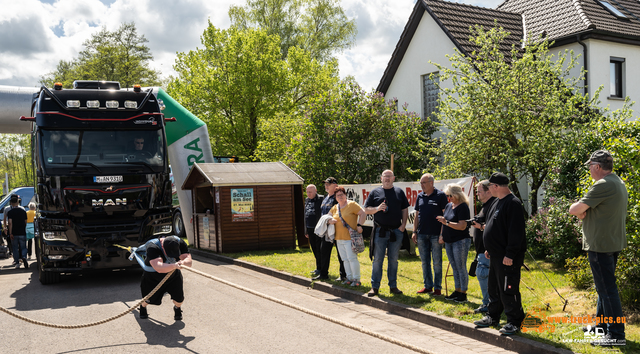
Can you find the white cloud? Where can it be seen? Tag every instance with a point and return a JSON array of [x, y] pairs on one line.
[[173, 26]]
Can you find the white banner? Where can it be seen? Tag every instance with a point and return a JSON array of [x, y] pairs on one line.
[[359, 193]]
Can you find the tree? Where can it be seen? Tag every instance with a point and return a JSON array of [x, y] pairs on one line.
[[319, 27], [15, 160], [239, 81], [349, 133], [512, 114], [121, 55]]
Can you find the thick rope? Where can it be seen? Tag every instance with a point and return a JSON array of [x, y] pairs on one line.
[[53, 325], [239, 287], [317, 314]]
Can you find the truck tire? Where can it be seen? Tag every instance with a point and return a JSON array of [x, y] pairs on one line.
[[45, 278], [178, 224]]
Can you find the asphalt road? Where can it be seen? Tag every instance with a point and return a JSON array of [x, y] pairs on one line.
[[217, 318]]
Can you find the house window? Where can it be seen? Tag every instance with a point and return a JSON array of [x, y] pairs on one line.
[[616, 77], [607, 5], [430, 95]]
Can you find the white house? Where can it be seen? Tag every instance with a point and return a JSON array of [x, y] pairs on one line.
[[605, 32]]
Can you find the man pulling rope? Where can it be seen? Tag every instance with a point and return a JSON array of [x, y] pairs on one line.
[[162, 255]]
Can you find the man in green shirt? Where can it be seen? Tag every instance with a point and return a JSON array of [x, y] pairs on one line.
[[603, 211]]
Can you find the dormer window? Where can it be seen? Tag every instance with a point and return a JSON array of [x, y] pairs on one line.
[[607, 5]]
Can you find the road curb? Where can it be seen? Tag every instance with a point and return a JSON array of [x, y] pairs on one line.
[[487, 335]]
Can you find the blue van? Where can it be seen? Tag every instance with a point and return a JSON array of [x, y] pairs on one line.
[[27, 195]]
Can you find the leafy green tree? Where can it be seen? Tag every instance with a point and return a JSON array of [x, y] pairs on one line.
[[319, 27], [15, 160], [351, 134], [121, 55], [239, 82], [513, 114]]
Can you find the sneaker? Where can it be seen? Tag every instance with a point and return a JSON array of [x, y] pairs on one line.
[[177, 313], [462, 297], [373, 292], [320, 277], [346, 282], [437, 292], [26, 265], [452, 296], [341, 279], [17, 265], [143, 313], [486, 321], [356, 283], [395, 291], [315, 273], [14, 263], [482, 309], [424, 291], [509, 329]]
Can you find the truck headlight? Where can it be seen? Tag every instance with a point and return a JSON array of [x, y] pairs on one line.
[[54, 236]]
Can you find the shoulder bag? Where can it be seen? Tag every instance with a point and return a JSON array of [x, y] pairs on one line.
[[357, 241]]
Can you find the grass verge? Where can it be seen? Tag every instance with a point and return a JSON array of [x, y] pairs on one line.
[[539, 298]]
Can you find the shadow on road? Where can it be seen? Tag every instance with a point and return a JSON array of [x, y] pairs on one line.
[[79, 290], [160, 333]]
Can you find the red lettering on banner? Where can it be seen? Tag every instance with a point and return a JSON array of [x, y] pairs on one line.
[[414, 197], [365, 195]]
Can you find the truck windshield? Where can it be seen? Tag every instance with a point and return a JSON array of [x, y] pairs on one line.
[[102, 149]]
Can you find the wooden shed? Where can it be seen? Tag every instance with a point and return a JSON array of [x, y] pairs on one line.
[[246, 206]]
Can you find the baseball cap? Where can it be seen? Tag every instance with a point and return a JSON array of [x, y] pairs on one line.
[[172, 247], [331, 180], [600, 156], [499, 178]]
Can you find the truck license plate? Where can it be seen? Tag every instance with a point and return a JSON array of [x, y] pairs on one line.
[[107, 179]]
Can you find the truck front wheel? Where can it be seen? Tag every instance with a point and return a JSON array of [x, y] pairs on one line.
[[45, 278], [178, 224]]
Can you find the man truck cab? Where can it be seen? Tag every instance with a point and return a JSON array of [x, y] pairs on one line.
[[102, 175]]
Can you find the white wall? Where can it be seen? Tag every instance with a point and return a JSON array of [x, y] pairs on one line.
[[428, 43], [577, 49], [599, 55]]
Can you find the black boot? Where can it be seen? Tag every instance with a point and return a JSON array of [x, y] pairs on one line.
[[143, 312], [177, 313], [26, 265]]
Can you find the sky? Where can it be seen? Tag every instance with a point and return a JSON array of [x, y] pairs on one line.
[[36, 35]]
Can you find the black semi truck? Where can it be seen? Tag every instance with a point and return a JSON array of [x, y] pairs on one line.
[[102, 175]]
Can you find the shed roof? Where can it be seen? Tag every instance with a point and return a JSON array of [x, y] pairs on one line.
[[239, 174]]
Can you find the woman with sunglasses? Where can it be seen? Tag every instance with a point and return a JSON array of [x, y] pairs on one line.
[[456, 238], [347, 213]]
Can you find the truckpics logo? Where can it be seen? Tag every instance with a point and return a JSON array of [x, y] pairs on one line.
[[151, 121], [101, 202]]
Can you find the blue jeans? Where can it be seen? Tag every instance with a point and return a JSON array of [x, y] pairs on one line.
[[482, 273], [603, 267], [429, 248], [19, 247], [381, 245], [457, 253]]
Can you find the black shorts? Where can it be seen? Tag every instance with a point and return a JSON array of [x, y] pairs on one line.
[[173, 286]]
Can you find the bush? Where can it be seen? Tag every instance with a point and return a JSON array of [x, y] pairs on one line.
[[579, 272], [553, 234]]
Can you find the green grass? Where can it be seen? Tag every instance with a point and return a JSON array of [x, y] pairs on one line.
[[536, 292]]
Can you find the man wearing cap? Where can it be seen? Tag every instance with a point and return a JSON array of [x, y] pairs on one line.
[[17, 231], [603, 211], [505, 245], [326, 247], [164, 256]]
